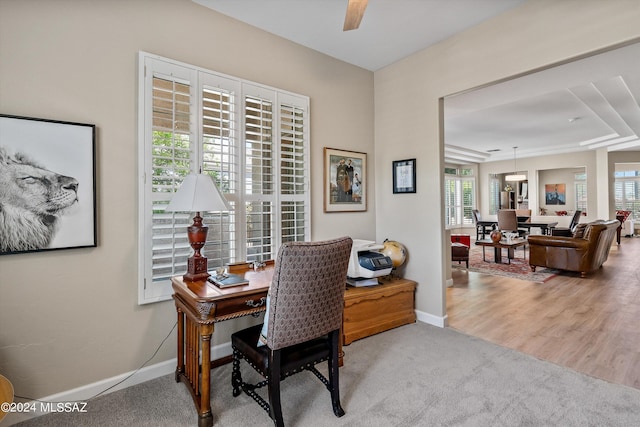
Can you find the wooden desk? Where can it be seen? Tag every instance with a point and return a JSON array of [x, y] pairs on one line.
[[200, 305]]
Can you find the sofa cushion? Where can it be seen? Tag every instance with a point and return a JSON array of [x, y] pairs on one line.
[[578, 232]]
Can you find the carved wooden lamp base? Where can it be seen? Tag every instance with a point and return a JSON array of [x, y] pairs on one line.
[[197, 264], [196, 269]]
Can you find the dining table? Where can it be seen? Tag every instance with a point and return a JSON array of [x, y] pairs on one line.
[[545, 227]]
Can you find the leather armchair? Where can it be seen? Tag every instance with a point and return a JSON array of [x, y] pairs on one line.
[[581, 254]]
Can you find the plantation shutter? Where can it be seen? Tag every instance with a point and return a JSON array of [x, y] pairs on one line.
[[494, 195], [251, 139], [581, 196], [220, 159], [294, 209], [170, 161], [259, 175], [618, 195], [450, 200], [468, 197]]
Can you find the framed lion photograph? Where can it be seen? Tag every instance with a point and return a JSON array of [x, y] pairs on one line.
[[47, 185]]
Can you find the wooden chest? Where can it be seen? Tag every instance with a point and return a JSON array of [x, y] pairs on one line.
[[373, 309]]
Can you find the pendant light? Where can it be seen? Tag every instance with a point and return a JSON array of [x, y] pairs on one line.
[[516, 176]]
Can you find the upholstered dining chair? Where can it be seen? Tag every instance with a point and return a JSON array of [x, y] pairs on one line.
[[567, 231], [508, 221], [482, 227], [302, 323]]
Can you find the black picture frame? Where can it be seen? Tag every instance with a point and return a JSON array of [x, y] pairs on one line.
[[404, 176], [48, 181]]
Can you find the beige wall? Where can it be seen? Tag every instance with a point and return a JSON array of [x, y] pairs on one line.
[[60, 312], [70, 318], [538, 172], [408, 124]]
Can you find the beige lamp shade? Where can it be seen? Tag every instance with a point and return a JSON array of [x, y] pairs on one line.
[[198, 193]]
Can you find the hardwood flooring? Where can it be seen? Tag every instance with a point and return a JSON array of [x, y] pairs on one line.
[[591, 325]]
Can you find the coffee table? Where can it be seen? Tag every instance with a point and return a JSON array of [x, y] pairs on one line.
[[498, 246]]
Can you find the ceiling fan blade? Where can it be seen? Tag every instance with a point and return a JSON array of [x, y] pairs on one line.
[[355, 10]]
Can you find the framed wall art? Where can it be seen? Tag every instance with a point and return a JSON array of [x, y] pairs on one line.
[[47, 185], [404, 176], [555, 194], [345, 181]]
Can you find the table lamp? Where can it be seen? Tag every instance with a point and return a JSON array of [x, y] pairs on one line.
[[198, 193]]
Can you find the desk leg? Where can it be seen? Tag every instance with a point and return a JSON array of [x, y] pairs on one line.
[[205, 418], [194, 338], [180, 366]]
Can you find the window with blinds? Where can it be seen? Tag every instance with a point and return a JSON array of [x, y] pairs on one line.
[[627, 192], [494, 194], [253, 140], [459, 198], [580, 186]]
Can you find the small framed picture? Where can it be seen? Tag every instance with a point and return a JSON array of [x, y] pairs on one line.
[[48, 181], [404, 176], [345, 181]]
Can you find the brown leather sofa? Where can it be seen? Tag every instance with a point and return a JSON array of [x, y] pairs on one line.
[[583, 254]]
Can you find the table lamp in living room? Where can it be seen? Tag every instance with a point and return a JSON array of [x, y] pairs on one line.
[[198, 193]]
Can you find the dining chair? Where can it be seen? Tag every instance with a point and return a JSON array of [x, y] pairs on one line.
[[567, 231], [302, 323], [508, 222], [482, 227]]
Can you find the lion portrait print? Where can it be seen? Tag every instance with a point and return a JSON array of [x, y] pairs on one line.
[[32, 198]]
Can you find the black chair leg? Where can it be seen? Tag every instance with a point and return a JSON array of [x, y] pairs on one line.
[[236, 376], [275, 407], [334, 375]]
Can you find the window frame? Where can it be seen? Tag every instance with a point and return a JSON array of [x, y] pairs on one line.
[[295, 127], [625, 182], [461, 176]]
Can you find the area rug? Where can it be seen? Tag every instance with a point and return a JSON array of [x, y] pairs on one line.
[[517, 269]]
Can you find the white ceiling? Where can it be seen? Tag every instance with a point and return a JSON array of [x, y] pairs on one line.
[[390, 29], [583, 105], [586, 104]]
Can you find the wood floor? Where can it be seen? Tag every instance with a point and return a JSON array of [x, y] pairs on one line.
[[591, 325]]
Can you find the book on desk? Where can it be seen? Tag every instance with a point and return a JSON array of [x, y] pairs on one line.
[[227, 280]]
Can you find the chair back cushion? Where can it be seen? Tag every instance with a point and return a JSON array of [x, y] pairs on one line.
[[306, 297], [507, 220], [575, 220]]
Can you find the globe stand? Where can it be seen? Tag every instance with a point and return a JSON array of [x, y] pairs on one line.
[[397, 252]]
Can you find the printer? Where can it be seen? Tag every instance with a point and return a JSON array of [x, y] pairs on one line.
[[366, 260]]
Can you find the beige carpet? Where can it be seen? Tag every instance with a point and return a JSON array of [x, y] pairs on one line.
[[415, 375]]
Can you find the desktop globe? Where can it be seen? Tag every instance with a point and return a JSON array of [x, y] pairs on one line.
[[396, 251]]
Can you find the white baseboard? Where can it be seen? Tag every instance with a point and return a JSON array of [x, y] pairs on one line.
[[119, 382], [438, 321]]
